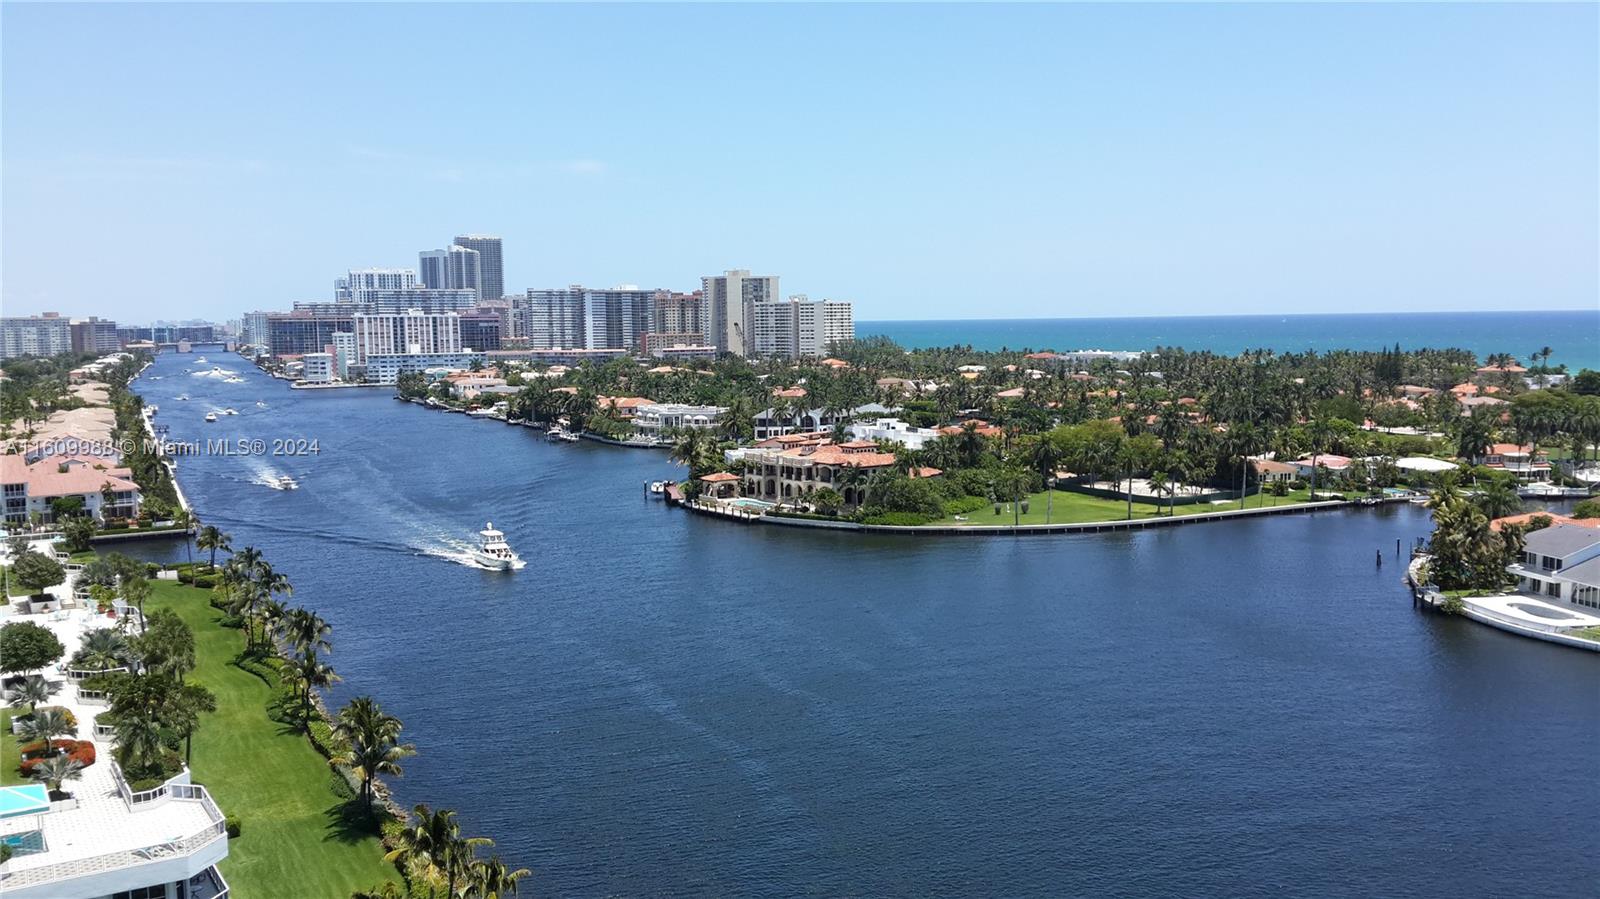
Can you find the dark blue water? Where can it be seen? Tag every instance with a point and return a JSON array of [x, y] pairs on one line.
[[667, 705], [1573, 336]]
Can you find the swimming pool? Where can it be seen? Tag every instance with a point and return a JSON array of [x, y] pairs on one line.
[[23, 800], [756, 505]]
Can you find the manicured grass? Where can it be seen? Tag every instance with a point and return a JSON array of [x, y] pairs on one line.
[[1065, 507], [1588, 633], [11, 588], [298, 834], [10, 752]]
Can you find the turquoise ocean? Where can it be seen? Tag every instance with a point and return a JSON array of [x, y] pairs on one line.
[[1573, 336]]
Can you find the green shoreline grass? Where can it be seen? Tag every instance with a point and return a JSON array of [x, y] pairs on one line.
[[1066, 507], [297, 834]]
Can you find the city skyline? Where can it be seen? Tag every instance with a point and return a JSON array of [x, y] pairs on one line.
[[1077, 162]]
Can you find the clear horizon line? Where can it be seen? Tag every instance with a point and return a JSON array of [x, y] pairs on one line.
[[1237, 315]]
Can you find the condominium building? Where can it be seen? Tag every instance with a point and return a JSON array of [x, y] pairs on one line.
[[680, 313], [480, 329], [386, 368], [799, 327], [587, 318], [35, 335], [94, 335], [343, 345], [317, 368], [304, 330], [104, 488], [553, 318], [728, 298], [411, 332], [492, 280], [428, 299], [454, 266], [254, 330], [358, 283], [661, 343]]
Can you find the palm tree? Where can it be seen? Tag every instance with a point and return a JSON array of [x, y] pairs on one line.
[[491, 879], [52, 771], [433, 850], [210, 538], [1498, 499], [183, 714], [306, 674], [45, 725], [306, 631], [136, 591], [103, 648], [372, 742], [33, 690], [184, 520], [138, 742]]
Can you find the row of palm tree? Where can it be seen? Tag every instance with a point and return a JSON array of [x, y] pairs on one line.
[[432, 853]]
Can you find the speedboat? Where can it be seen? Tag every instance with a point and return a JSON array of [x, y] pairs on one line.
[[233, 380], [568, 436], [284, 482], [657, 489], [211, 416], [260, 404], [554, 433], [493, 552], [183, 396], [230, 411], [201, 360]]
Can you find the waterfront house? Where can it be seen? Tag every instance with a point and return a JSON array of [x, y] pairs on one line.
[[105, 489], [657, 419], [623, 408], [776, 422], [1325, 461], [895, 430], [779, 473], [1519, 460], [467, 385], [1555, 518], [1498, 374], [1269, 471], [1561, 562]]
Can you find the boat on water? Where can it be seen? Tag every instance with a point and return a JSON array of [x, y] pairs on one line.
[[260, 404], [554, 433], [493, 552], [485, 412], [233, 380], [201, 360], [211, 416], [284, 482], [230, 411], [567, 436], [656, 489], [183, 396]]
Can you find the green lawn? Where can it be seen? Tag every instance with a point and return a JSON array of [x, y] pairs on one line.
[[295, 839], [11, 588], [10, 752], [1065, 507]]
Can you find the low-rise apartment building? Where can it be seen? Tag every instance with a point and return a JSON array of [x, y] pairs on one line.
[[104, 488]]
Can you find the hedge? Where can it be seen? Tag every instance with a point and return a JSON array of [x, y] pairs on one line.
[[80, 751]]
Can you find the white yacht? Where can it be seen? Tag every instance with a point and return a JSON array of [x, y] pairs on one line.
[[284, 482], [211, 416], [493, 552]]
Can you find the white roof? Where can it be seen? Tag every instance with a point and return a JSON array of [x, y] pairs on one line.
[[1423, 463]]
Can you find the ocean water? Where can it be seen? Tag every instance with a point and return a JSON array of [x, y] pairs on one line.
[[665, 705], [1574, 336]]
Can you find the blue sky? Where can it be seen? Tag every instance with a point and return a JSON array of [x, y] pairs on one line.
[[925, 162]]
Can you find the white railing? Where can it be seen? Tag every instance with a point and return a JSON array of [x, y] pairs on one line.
[[112, 861], [78, 674]]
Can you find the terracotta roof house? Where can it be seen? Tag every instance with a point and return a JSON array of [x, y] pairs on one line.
[[30, 487], [1520, 460], [785, 474]]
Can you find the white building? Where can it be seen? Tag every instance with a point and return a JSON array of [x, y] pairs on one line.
[[428, 299], [799, 327], [616, 318], [108, 840], [317, 368], [357, 284], [411, 332], [386, 368], [1561, 562], [894, 429], [727, 299], [35, 335], [344, 353], [657, 419], [254, 330]]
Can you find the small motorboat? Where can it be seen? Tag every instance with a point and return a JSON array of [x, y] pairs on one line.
[[201, 360], [284, 482], [183, 396], [656, 489], [493, 552], [230, 411], [554, 433], [211, 416], [260, 404], [567, 436]]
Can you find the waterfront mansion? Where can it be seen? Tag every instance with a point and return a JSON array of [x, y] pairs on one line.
[[1562, 562], [787, 467]]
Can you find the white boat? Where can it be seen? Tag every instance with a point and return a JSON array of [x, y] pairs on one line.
[[284, 482], [656, 489], [260, 404], [183, 396], [484, 412], [230, 411], [554, 433], [211, 416], [201, 360], [493, 552], [568, 436]]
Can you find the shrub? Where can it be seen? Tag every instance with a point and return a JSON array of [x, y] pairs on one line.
[[1453, 605], [185, 576], [964, 504], [1589, 508], [232, 824], [899, 519], [36, 572], [80, 751], [205, 582], [72, 720]]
